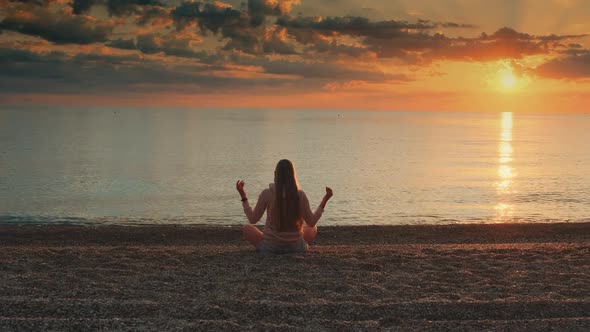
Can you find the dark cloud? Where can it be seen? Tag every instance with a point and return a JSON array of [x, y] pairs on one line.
[[506, 33], [575, 65], [386, 39], [330, 71], [115, 7], [271, 7], [103, 73], [169, 44], [154, 15], [317, 73], [348, 25], [407, 45], [260, 9], [259, 40], [127, 7], [124, 44], [213, 17], [243, 40], [35, 2], [11, 55], [236, 26], [360, 26], [216, 17], [456, 25], [185, 14], [276, 41], [414, 42], [504, 43], [56, 72], [419, 46], [152, 43], [59, 27], [332, 47], [82, 6]]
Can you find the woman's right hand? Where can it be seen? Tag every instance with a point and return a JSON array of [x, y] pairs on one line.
[[326, 197], [240, 188]]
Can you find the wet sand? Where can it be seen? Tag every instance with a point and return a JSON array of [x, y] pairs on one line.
[[465, 277]]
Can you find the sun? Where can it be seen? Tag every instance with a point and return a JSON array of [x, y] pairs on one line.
[[507, 79]]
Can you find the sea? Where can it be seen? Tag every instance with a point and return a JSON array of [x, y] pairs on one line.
[[143, 165]]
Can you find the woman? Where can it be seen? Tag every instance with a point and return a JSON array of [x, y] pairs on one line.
[[290, 223]]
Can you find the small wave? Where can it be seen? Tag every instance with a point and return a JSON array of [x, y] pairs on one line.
[[23, 220], [549, 197]]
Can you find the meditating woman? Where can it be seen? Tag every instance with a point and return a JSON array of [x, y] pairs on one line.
[[290, 223]]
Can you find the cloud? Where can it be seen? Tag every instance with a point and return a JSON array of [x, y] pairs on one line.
[[153, 43], [574, 65], [319, 72], [276, 41], [213, 17], [59, 27], [360, 26], [11, 55], [27, 71], [127, 7], [271, 7], [82, 6], [505, 43], [124, 44], [115, 7], [160, 45], [423, 47], [43, 3], [155, 15], [236, 26], [334, 48], [169, 44], [414, 42], [260, 9]]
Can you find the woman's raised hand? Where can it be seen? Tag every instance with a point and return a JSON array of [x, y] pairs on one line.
[[328, 192], [326, 197], [240, 188]]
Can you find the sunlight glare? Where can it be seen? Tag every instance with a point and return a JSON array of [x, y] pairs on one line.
[[507, 78], [506, 173]]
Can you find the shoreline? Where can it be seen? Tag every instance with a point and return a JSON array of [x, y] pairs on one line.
[[461, 277], [327, 235]]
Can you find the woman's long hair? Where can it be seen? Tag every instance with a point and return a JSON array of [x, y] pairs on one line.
[[286, 207]]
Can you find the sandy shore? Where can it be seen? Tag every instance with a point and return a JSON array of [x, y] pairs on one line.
[[491, 277]]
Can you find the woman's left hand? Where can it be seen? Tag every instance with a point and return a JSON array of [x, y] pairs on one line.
[[328, 193], [240, 188]]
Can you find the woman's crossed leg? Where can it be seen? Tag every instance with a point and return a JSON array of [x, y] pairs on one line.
[[253, 235]]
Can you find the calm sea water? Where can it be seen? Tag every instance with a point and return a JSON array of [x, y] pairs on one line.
[[132, 165]]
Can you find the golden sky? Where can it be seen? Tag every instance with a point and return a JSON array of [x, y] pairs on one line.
[[444, 55]]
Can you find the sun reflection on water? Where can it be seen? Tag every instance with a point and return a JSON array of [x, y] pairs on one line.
[[506, 172]]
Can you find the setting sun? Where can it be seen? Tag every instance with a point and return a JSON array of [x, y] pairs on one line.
[[508, 79]]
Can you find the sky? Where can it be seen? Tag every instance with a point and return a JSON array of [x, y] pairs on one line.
[[444, 55]]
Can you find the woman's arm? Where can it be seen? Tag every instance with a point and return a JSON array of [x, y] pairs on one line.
[[252, 215], [326, 198], [312, 218]]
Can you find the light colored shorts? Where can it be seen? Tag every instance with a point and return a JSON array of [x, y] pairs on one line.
[[299, 247]]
